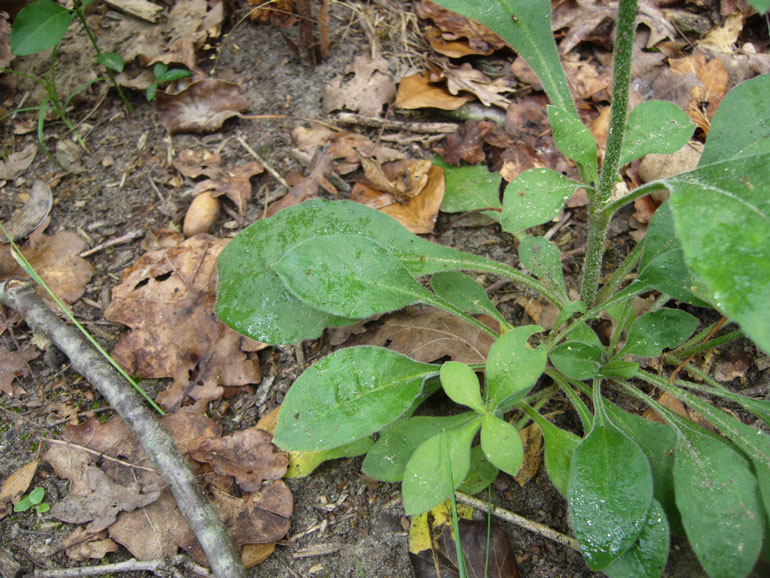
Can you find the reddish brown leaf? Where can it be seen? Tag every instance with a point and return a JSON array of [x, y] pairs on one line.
[[17, 163], [81, 545], [202, 107], [13, 364], [247, 455], [733, 364], [453, 26], [17, 484], [419, 91]]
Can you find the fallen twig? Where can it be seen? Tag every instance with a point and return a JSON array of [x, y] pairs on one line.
[[520, 521], [401, 125], [262, 161], [155, 440], [130, 236], [161, 567]]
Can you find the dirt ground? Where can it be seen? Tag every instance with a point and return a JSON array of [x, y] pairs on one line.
[[124, 187]]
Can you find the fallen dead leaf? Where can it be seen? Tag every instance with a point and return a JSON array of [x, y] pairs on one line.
[[468, 144], [307, 187], [532, 439], [418, 213], [32, 214], [167, 298], [453, 26], [17, 163], [733, 364], [419, 91], [426, 334], [468, 79], [403, 179], [365, 87], [723, 38], [13, 364], [5, 45], [81, 545], [247, 455], [16, 485], [274, 11], [202, 107], [672, 403]]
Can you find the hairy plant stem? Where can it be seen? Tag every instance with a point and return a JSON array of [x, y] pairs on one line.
[[598, 200]]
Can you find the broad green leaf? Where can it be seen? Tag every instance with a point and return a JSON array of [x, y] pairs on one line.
[[464, 293], [655, 126], [350, 394], [559, 447], [434, 465], [302, 464], [760, 6], [253, 300], [573, 139], [111, 61], [543, 259], [36, 495], [469, 188], [174, 74], [610, 491], [718, 498], [662, 265], [22, 505], [513, 367], [526, 26], [722, 217], [461, 385], [502, 445], [569, 310], [657, 441], [348, 276], [534, 197], [39, 26], [651, 333], [619, 369], [741, 124], [576, 359], [388, 457], [481, 473], [647, 558]]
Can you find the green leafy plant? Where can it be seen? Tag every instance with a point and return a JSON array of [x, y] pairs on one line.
[[629, 482], [40, 26], [33, 500], [163, 76]]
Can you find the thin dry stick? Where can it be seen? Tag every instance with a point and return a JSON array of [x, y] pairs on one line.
[[155, 440], [96, 453], [262, 161], [402, 125], [509, 516], [158, 567], [128, 237]]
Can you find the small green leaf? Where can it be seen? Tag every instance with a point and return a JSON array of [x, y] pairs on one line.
[[42, 508], [159, 70], [350, 394], [428, 473], [152, 91], [174, 74], [718, 498], [464, 293], [569, 310], [534, 197], [619, 369], [111, 61], [501, 443], [481, 473], [573, 139], [559, 448], [525, 25], [655, 126], [610, 491], [760, 6], [388, 457], [543, 259], [647, 558], [302, 464], [348, 276], [651, 333], [576, 359], [662, 265], [469, 188], [39, 26], [36, 495], [22, 505], [461, 385], [513, 367]]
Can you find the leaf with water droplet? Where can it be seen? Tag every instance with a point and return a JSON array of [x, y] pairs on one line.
[[350, 394], [559, 448], [464, 293], [655, 126], [502, 445], [468, 188], [534, 197], [513, 367], [576, 359], [461, 385], [573, 139], [662, 329], [647, 557], [543, 259]]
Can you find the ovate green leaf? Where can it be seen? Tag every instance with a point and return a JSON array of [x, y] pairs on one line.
[[573, 139], [534, 197], [350, 394], [39, 26], [655, 126], [543, 259], [576, 359], [559, 447], [609, 494], [481, 473], [469, 188], [513, 367], [349, 276], [718, 498], [502, 445], [461, 384], [647, 558], [662, 329], [464, 293], [111, 61], [440, 460]]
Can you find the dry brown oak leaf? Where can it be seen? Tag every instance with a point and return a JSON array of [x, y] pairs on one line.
[[202, 107], [167, 298]]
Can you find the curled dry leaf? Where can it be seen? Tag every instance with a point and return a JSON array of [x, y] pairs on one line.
[[32, 214], [419, 91], [201, 215], [247, 455], [167, 298], [426, 334], [80, 545], [365, 87], [202, 107], [532, 440], [418, 213], [16, 485], [13, 364], [403, 179], [453, 26], [466, 78], [17, 163]]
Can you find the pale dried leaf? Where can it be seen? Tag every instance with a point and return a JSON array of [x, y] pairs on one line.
[[202, 107], [17, 163], [417, 91], [32, 214], [370, 88], [17, 483], [13, 364]]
